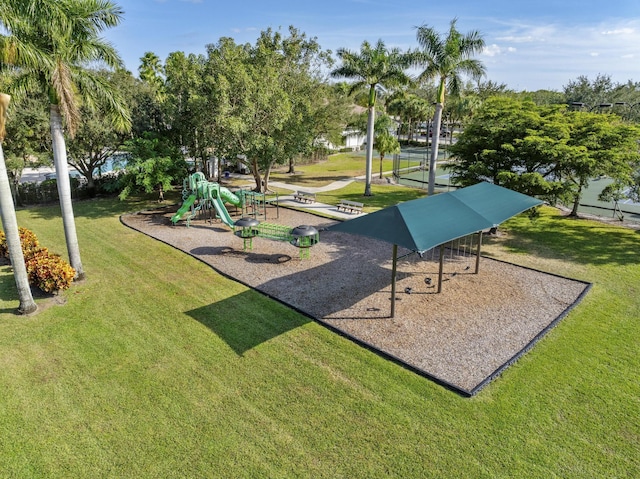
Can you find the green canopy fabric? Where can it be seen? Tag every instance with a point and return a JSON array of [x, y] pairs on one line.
[[425, 223]]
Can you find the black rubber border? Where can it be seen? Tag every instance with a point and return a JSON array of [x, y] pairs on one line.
[[441, 382]]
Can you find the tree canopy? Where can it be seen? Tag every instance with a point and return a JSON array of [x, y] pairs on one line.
[[545, 151]]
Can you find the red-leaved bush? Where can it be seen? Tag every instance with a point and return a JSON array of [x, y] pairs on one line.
[[46, 270]]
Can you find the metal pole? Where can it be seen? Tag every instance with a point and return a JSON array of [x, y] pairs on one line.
[[441, 268], [393, 280], [478, 252]]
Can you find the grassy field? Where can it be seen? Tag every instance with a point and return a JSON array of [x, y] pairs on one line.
[[157, 366], [336, 167]]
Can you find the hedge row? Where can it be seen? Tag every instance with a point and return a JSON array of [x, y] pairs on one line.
[[46, 270]]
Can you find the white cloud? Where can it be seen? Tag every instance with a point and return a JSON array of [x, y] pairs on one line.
[[244, 30], [495, 50], [620, 31], [550, 55], [514, 39]]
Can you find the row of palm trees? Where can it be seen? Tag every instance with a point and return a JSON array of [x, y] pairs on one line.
[[45, 48], [445, 58]]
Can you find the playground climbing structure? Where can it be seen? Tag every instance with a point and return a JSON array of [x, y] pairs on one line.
[[209, 198], [202, 196]]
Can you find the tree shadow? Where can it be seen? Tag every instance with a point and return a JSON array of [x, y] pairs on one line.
[[353, 273], [9, 293], [249, 256], [106, 206], [244, 328]]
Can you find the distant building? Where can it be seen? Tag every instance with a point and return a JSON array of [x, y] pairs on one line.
[[353, 139]]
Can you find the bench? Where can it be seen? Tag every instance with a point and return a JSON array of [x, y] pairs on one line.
[[304, 197], [350, 206]]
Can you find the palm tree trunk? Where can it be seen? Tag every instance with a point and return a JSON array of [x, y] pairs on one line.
[[435, 136], [64, 191], [10, 226], [369, 154]]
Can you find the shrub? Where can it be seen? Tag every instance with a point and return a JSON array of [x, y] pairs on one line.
[[46, 270], [27, 239]]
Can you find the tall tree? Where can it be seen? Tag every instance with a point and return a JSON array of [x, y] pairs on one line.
[[325, 120], [372, 67], [67, 40], [599, 144], [96, 141], [512, 136], [10, 224], [263, 99], [544, 150], [186, 106], [28, 142], [446, 58], [386, 144], [151, 72]]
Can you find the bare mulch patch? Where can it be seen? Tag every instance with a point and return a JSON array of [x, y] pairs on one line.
[[462, 337]]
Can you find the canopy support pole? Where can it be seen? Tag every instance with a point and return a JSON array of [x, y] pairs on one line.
[[478, 251], [441, 268], [393, 280]]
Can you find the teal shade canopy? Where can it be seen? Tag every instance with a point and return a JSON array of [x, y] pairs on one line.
[[424, 223]]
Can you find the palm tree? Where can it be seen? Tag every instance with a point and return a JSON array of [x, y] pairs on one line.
[[372, 67], [446, 59], [151, 71], [412, 109], [386, 144], [10, 225], [66, 40]]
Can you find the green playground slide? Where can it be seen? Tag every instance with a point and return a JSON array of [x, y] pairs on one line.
[[229, 197], [222, 212], [183, 209]]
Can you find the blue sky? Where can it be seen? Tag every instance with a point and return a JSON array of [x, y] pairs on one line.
[[531, 45]]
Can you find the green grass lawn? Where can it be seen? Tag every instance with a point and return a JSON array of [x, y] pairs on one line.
[[336, 167], [382, 195], [157, 366]]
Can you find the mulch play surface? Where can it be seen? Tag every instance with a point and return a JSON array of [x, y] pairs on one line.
[[462, 338]]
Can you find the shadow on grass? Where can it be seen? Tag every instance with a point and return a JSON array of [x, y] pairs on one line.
[[8, 290], [101, 207], [242, 324], [573, 239]]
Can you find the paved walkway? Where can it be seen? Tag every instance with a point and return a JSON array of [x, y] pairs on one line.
[[316, 207]]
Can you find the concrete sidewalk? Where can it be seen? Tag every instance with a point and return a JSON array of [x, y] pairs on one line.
[[315, 207]]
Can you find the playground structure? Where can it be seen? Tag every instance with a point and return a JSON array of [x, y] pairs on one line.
[[202, 197], [205, 197], [302, 237]]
